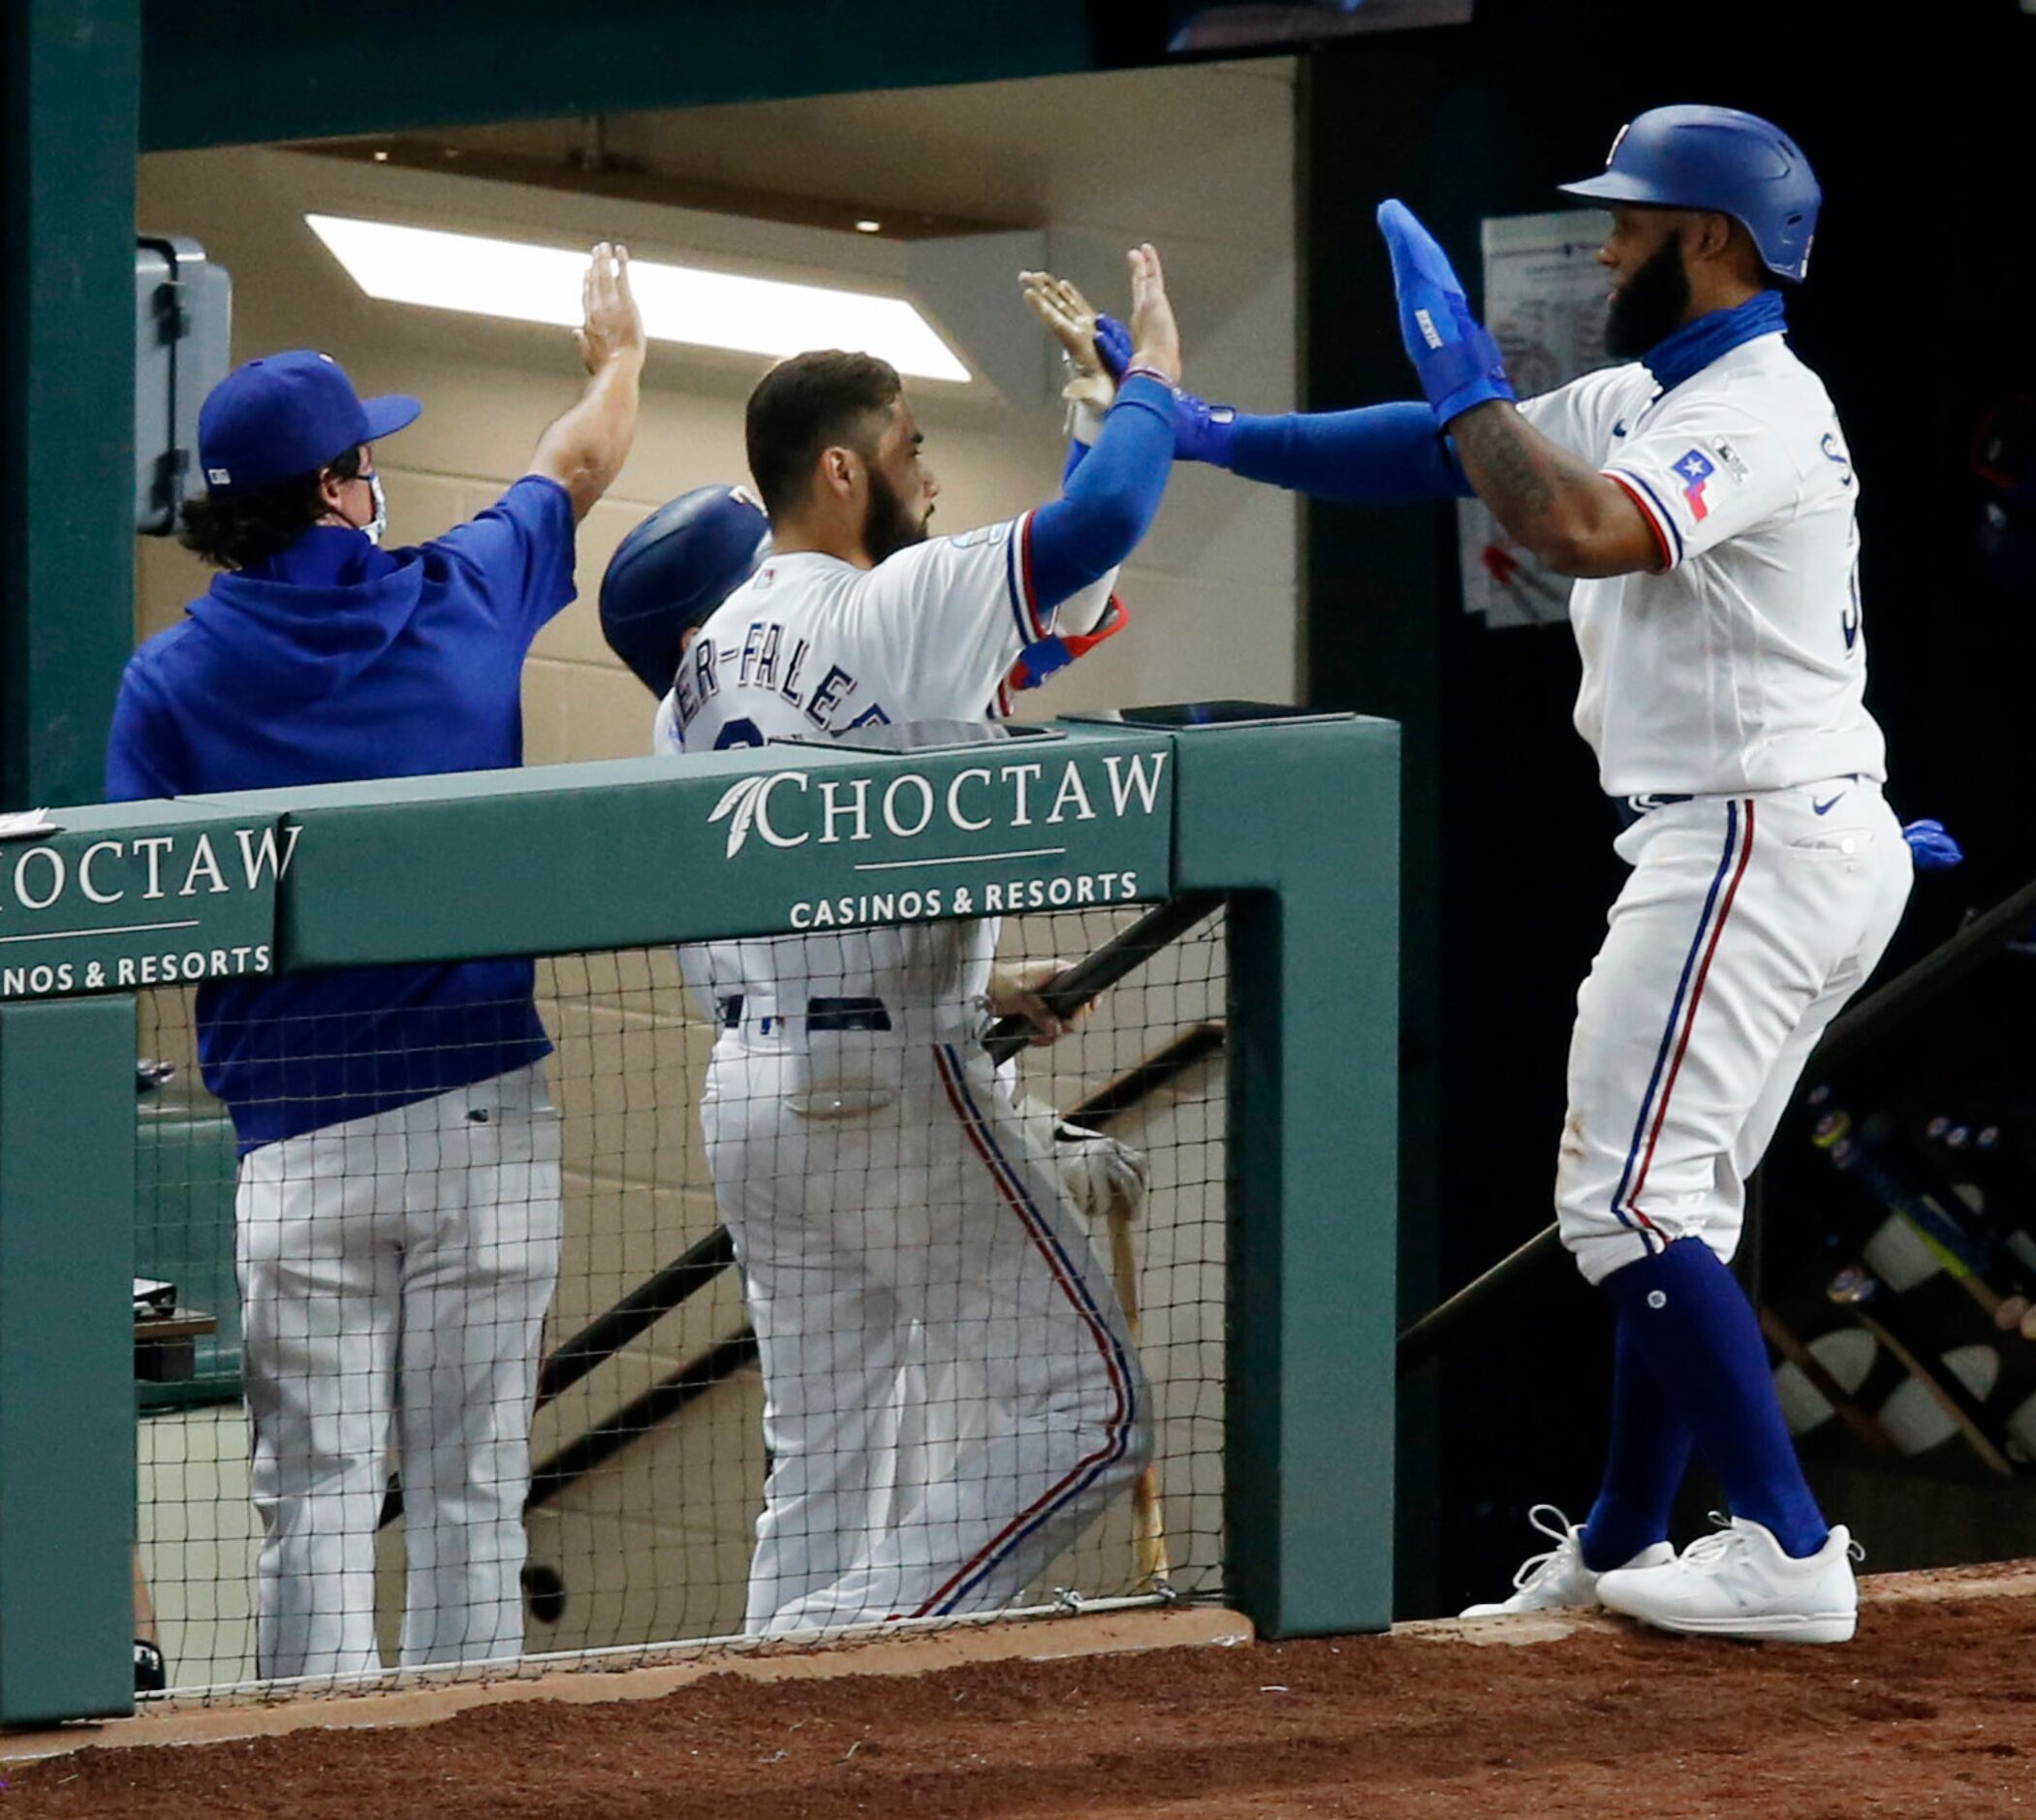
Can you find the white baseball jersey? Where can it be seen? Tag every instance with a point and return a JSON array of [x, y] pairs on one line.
[[1741, 665], [813, 646]]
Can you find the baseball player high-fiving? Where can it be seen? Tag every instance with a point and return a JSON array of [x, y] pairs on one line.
[[1703, 496], [897, 1221]]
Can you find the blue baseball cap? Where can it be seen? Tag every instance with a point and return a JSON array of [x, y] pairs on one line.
[[288, 414]]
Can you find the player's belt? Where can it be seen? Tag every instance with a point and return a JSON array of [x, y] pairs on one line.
[[822, 1015], [1630, 809]]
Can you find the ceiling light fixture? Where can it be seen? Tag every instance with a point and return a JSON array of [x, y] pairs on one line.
[[714, 309]]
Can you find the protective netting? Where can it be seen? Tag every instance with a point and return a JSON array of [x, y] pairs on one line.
[[977, 1337]]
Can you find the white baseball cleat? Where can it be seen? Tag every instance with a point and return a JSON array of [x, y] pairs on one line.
[[1739, 1583], [1551, 1582]]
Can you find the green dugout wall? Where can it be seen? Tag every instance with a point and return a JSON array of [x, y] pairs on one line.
[[1298, 823]]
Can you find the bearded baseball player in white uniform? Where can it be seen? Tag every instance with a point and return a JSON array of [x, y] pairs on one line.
[[898, 1221], [1703, 497]]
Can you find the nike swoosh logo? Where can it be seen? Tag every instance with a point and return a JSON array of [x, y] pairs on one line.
[[1821, 807], [1618, 429]]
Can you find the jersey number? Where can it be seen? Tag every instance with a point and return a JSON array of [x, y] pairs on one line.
[[739, 733]]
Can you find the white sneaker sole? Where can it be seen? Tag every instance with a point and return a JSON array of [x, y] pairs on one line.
[[1769, 1628]]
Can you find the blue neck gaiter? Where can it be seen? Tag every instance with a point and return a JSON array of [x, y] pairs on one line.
[[1696, 345]]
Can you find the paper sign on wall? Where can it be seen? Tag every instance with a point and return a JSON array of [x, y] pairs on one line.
[[1545, 302]]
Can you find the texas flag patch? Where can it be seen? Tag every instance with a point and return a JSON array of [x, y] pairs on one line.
[[1693, 470]]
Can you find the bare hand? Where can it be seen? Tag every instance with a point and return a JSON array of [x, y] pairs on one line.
[[1014, 992], [1155, 337], [1070, 318], [614, 330]]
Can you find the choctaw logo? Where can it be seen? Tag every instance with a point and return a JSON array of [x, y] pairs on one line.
[[739, 806], [975, 799]]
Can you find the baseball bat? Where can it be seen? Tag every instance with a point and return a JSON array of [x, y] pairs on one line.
[[1192, 1047], [1149, 1523]]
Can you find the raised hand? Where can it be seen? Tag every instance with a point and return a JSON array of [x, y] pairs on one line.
[[1458, 362], [613, 327], [1155, 337], [1070, 319]]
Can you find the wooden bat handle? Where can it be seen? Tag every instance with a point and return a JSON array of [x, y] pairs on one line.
[[1149, 1523]]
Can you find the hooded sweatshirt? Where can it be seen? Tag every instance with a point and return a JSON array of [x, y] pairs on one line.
[[338, 662]]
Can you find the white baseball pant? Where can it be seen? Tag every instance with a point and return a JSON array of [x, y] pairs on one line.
[[395, 1270], [1745, 925], [924, 1248]]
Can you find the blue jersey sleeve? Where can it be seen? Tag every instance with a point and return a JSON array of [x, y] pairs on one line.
[[518, 552], [1384, 455], [1110, 497], [144, 755]]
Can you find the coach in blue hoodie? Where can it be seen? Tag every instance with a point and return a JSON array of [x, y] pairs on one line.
[[399, 1210]]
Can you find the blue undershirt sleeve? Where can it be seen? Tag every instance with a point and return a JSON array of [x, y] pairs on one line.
[[1385, 455], [1109, 497]]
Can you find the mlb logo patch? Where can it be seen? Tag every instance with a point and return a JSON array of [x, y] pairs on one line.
[[1693, 470]]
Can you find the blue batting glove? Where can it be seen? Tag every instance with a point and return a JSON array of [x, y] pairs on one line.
[[1202, 432], [1113, 345], [1458, 362], [1933, 849]]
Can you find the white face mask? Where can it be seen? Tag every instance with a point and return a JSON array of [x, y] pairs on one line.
[[373, 529]]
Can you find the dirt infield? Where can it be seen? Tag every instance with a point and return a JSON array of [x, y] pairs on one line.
[[1932, 1709]]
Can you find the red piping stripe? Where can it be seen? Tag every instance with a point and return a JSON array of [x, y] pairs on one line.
[[1025, 586], [1016, 1200], [1661, 542]]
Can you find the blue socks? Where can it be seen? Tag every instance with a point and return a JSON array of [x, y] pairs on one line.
[[1683, 1316], [1643, 1465]]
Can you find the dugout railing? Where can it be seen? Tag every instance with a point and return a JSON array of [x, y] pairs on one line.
[[1293, 826]]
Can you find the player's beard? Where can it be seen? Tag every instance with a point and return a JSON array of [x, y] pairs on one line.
[[888, 526], [1650, 305]]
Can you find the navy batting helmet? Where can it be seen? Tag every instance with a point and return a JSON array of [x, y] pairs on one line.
[[1717, 158], [669, 572]]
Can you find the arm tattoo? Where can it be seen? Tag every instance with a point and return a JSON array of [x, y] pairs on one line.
[[1498, 453], [1540, 493]]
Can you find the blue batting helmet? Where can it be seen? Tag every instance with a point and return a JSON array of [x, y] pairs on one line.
[[1717, 158], [669, 572]]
